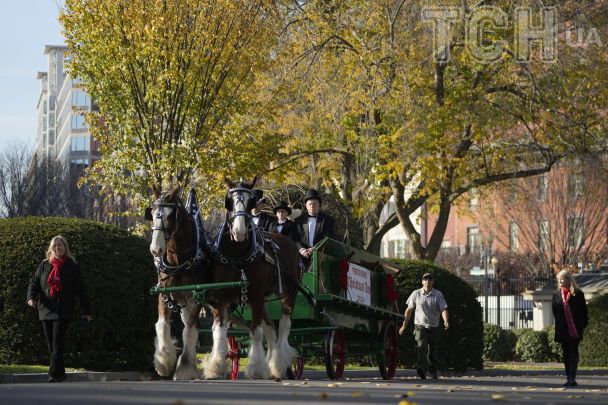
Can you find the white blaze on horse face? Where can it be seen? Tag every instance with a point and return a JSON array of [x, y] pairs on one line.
[[239, 226], [158, 246]]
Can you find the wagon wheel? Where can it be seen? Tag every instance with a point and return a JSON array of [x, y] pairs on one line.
[[296, 370], [233, 356], [335, 354], [388, 363]]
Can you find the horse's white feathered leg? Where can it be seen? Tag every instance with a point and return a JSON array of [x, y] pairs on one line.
[[257, 367], [286, 352], [273, 355], [215, 366], [165, 354], [186, 364]]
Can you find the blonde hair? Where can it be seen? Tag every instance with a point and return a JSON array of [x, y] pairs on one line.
[[568, 275], [51, 255]]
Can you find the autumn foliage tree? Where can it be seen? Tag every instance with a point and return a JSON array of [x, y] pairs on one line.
[[381, 112], [173, 81]]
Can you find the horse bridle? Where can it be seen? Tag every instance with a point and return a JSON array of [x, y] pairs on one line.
[[158, 214], [240, 198]]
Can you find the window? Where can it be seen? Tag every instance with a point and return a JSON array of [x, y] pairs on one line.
[[44, 107], [80, 99], [543, 186], [513, 237], [576, 231], [51, 136], [543, 234], [575, 185], [512, 190], [78, 122], [52, 103], [473, 240], [474, 199], [79, 143]]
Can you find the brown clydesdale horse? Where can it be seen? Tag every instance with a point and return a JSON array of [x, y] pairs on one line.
[[180, 260], [239, 253]]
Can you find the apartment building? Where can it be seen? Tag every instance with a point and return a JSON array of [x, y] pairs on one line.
[[62, 132]]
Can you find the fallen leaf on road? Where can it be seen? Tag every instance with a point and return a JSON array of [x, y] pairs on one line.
[[323, 395], [357, 394], [497, 397]]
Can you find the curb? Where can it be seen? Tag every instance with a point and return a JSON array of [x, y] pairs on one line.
[[78, 376], [87, 376]]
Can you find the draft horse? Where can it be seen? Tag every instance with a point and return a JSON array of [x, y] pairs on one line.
[[180, 253], [271, 265]]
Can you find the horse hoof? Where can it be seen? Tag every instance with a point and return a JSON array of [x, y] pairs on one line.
[[277, 379]]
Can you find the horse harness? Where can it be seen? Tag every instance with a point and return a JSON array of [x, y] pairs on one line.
[[200, 245]]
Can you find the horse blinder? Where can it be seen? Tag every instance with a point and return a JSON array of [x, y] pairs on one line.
[[148, 214]]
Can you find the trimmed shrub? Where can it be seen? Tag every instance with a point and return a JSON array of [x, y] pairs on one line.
[[533, 345], [498, 344], [118, 273], [461, 346], [594, 347], [555, 349]]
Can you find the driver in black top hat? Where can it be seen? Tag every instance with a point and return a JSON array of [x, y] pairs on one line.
[[313, 225], [260, 218]]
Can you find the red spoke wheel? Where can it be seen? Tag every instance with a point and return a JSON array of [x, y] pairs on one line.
[[296, 371], [335, 354], [233, 356], [388, 363]]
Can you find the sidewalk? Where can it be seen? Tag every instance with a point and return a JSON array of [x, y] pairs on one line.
[[80, 376]]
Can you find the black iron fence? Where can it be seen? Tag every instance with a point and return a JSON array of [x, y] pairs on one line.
[[502, 301]]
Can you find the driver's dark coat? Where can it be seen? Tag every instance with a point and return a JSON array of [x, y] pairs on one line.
[[62, 305]]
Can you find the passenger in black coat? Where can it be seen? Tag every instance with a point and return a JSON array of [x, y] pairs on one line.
[[52, 291], [569, 339], [322, 225], [261, 219], [282, 224]]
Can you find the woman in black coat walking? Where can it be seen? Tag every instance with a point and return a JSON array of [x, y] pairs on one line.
[[52, 289], [570, 312]]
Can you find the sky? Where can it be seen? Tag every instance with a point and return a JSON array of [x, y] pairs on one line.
[[26, 26]]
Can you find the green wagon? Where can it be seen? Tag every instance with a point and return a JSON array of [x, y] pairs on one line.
[[356, 313]]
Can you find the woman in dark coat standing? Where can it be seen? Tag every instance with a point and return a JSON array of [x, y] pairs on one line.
[[52, 289], [570, 312]]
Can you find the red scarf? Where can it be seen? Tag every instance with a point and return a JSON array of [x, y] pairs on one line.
[[54, 279], [568, 312]]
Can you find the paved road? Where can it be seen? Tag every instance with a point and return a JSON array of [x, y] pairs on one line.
[[533, 389]]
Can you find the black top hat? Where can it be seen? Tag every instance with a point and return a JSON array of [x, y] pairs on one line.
[[258, 195], [282, 205], [312, 194]]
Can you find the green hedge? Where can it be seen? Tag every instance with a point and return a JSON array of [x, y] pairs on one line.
[[461, 346], [555, 349], [118, 273], [533, 345], [498, 344], [594, 347]]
